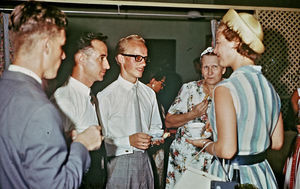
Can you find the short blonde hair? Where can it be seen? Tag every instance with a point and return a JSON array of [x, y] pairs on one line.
[[122, 44]]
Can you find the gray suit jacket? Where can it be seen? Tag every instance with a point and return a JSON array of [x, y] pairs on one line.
[[34, 153]]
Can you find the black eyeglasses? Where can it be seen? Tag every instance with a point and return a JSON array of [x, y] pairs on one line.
[[138, 58]]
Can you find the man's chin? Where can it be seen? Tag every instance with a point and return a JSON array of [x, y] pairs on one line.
[[50, 75], [139, 75]]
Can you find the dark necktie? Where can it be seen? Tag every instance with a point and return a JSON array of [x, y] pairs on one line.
[[95, 103], [101, 153]]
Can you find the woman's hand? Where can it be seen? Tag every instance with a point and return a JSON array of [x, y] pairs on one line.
[[200, 109], [199, 142]]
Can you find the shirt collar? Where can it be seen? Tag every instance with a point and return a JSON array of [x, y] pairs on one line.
[[16, 68], [127, 84], [80, 87]]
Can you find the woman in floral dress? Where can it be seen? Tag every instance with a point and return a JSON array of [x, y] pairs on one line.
[[191, 106]]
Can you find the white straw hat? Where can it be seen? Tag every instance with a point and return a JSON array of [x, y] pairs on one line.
[[248, 28]]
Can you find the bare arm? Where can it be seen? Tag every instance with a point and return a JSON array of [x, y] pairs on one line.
[[177, 120], [277, 137], [226, 145]]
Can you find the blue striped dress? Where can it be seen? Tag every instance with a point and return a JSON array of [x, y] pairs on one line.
[[257, 108]]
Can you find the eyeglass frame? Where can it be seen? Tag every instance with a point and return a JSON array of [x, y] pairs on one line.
[[146, 58]]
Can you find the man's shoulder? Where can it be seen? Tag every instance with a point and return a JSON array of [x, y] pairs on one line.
[[27, 90], [109, 89], [66, 92], [147, 89], [25, 100], [62, 92]]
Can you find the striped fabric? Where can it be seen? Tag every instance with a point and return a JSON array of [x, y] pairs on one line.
[[257, 108]]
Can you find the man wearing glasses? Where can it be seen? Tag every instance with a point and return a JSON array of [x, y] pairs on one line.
[[129, 112]]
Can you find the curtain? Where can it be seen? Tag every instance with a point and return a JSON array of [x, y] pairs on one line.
[[6, 52], [1, 45]]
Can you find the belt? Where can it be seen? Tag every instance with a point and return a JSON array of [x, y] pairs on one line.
[[246, 159]]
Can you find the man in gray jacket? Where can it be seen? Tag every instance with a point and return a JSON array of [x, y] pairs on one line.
[[34, 153]]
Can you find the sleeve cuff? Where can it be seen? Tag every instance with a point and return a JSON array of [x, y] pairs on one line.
[[77, 147]]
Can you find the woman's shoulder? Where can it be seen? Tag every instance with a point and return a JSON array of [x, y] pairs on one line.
[[190, 84]]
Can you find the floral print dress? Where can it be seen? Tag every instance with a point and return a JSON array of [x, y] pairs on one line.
[[182, 153]]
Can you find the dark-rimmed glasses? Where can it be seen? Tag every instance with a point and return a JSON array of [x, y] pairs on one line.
[[137, 58]]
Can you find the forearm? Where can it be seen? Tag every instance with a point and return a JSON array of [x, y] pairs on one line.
[[177, 120], [277, 137], [215, 148]]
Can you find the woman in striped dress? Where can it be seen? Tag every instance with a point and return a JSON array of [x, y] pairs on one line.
[[245, 114]]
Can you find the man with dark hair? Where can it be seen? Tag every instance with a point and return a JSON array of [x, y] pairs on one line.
[[130, 112], [34, 153], [74, 100]]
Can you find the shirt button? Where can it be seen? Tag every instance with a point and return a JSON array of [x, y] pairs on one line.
[[126, 151]]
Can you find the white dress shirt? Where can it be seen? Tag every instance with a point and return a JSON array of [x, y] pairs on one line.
[[116, 105], [73, 99]]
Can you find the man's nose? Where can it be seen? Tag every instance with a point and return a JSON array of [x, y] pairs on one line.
[[107, 66], [143, 62], [210, 71]]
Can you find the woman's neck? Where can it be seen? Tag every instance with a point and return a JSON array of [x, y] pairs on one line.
[[208, 89], [242, 61]]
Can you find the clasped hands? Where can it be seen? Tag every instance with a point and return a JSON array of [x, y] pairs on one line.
[[143, 141]]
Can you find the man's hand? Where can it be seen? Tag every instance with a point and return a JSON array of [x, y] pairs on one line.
[[90, 138], [140, 140]]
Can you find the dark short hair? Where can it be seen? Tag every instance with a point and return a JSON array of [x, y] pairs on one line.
[[157, 73], [242, 48], [34, 17], [86, 38]]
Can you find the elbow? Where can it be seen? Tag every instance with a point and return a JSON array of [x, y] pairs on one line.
[[226, 152], [277, 142], [277, 145]]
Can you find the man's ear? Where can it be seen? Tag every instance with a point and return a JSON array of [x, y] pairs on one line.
[[120, 59], [45, 43], [80, 57]]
